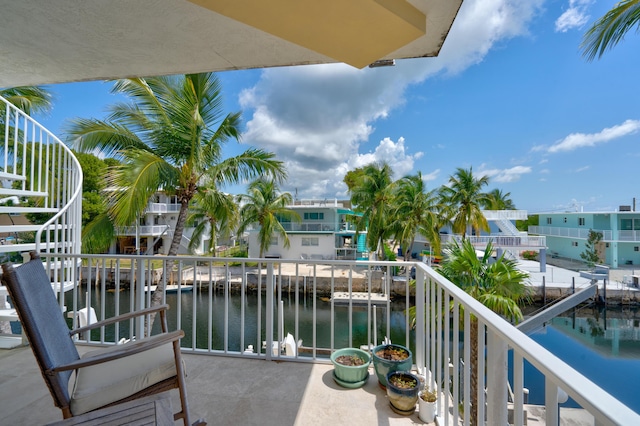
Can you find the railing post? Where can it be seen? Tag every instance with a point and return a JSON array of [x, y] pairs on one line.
[[140, 296], [496, 379], [551, 402], [269, 312], [420, 321]]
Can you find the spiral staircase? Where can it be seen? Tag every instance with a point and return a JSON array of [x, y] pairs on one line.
[[41, 190]]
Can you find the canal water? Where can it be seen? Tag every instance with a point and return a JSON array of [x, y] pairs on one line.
[[602, 344]]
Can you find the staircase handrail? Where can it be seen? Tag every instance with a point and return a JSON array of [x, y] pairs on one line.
[[59, 176]]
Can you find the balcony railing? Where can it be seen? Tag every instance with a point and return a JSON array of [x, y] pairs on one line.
[[144, 230], [523, 241], [579, 233], [505, 214], [163, 208], [317, 227], [240, 302]]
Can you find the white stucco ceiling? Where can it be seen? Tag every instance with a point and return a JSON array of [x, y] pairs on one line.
[[45, 41]]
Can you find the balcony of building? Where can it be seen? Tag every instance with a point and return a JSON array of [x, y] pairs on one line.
[[583, 233], [236, 314]]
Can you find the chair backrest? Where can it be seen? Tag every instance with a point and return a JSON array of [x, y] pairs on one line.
[[42, 321]]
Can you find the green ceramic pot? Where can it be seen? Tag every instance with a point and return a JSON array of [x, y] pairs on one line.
[[384, 366], [351, 375]]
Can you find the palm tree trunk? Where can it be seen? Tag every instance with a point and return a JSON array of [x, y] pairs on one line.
[[473, 380], [156, 298]]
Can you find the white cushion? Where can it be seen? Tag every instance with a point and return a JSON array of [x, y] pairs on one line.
[[99, 385]]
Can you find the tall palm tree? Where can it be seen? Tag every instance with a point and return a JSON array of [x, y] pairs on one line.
[[265, 204], [215, 213], [499, 285], [371, 193], [463, 200], [607, 31], [414, 209], [169, 137], [497, 200]]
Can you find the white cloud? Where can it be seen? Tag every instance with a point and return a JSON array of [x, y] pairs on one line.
[[580, 140], [318, 118], [574, 17], [545, 171], [582, 169], [505, 175], [431, 176]]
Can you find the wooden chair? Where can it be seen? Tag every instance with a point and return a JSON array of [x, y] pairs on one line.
[[104, 377]]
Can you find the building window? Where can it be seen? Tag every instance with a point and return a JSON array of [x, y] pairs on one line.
[[606, 245], [548, 221], [574, 243], [273, 241], [636, 248], [581, 221], [310, 241], [313, 216]]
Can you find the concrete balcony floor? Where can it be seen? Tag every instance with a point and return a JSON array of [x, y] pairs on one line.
[[223, 391]]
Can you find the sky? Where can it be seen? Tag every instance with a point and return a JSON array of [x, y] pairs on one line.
[[510, 96]]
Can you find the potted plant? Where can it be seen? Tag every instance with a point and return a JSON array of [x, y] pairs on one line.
[[390, 357], [427, 404], [402, 391], [351, 367]]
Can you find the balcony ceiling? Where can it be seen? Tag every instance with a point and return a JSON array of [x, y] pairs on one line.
[[58, 41]]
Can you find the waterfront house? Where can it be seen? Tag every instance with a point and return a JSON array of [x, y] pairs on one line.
[[154, 231], [567, 233], [326, 230]]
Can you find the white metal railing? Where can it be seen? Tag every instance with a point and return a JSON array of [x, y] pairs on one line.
[[50, 176], [144, 230], [444, 310], [235, 303], [317, 227], [163, 208], [524, 241], [580, 233], [505, 214]]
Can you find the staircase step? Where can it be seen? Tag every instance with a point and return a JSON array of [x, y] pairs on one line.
[[9, 248], [12, 176], [22, 193], [10, 229], [18, 209]]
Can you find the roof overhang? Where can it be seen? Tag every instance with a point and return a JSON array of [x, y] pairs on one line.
[[67, 40]]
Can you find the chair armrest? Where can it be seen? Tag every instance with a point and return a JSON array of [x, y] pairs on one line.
[[120, 351], [119, 318]]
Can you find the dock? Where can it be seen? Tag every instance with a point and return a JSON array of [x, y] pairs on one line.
[[359, 298]]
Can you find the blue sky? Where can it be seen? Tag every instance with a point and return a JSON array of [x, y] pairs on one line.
[[509, 95]]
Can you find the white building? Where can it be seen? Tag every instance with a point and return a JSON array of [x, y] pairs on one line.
[[326, 231]]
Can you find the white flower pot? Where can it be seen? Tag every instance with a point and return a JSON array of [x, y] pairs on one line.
[[426, 410]]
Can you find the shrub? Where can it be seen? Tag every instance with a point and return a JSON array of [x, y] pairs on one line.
[[530, 254]]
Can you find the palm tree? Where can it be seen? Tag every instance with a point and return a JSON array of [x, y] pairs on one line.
[[30, 99], [415, 210], [607, 31], [213, 212], [463, 199], [499, 285], [497, 200], [371, 192], [170, 138], [265, 205]]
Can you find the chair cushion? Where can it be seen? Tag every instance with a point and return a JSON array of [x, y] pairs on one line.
[[105, 383]]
